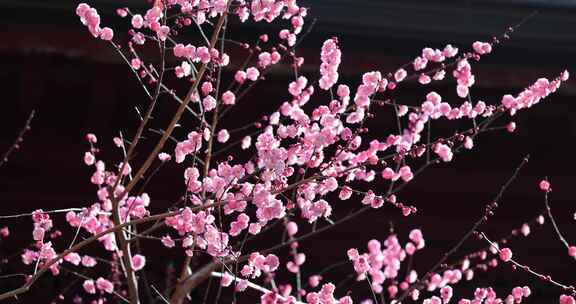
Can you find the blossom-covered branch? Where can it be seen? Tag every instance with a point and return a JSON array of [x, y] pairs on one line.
[[283, 172]]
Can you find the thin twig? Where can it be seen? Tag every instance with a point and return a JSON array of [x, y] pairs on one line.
[[252, 285], [19, 139], [48, 212], [160, 295], [553, 221], [527, 269], [470, 232]]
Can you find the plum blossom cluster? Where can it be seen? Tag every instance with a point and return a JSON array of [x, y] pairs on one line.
[[331, 58], [533, 94], [101, 284], [464, 77], [324, 296], [383, 264], [202, 54], [427, 57], [489, 296], [43, 250], [200, 231], [90, 18], [370, 264], [258, 263]]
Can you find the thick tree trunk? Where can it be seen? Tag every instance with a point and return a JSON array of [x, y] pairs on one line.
[[184, 287]]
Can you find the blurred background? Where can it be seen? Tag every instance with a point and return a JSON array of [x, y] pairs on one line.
[[49, 63]]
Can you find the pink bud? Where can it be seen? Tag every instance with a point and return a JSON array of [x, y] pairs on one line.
[[564, 299], [106, 34], [4, 232], [400, 75], [38, 234], [252, 73], [545, 186], [164, 157], [228, 98], [292, 228], [505, 254], [91, 138], [314, 280], [565, 76], [240, 76], [104, 285], [223, 136], [572, 251], [388, 173], [136, 63], [526, 292], [137, 21], [167, 241], [89, 286], [89, 158], [122, 12], [138, 262]]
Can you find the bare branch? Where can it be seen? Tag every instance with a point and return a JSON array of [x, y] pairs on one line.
[[16, 145]]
